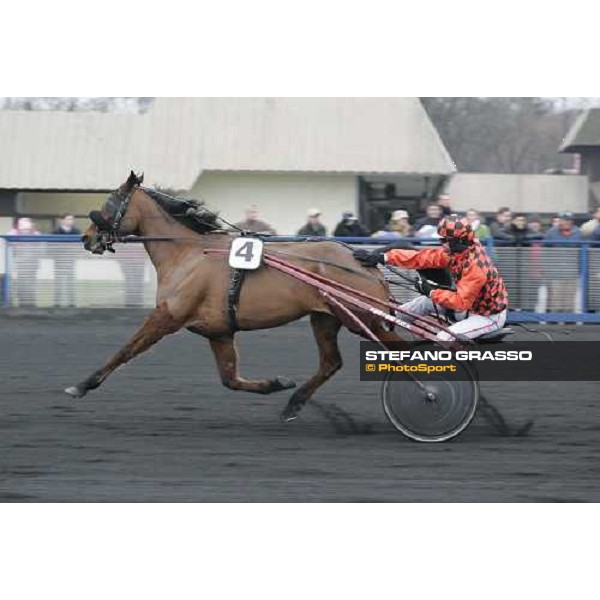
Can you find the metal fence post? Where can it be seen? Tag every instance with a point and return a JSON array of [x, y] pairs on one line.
[[6, 284], [519, 267], [584, 276]]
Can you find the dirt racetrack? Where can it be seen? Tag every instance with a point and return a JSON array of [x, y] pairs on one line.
[[164, 429]]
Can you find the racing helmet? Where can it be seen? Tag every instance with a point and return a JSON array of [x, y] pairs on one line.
[[456, 228]]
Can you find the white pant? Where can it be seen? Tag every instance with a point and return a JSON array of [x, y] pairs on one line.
[[471, 327]]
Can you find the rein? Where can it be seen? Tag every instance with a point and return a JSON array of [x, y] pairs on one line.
[[140, 239], [109, 232], [324, 262]]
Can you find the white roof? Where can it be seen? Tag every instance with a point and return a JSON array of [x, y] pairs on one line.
[[487, 192], [178, 138]]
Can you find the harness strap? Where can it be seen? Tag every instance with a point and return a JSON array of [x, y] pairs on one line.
[[236, 279], [121, 209]]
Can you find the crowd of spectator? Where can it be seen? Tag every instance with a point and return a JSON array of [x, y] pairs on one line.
[[27, 262], [533, 285], [505, 227]]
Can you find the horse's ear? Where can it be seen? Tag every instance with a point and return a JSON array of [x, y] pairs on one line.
[[131, 180], [134, 180]]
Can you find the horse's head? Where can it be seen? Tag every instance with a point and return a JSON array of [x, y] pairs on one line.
[[118, 216]]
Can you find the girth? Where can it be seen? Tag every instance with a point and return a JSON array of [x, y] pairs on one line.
[[236, 278]]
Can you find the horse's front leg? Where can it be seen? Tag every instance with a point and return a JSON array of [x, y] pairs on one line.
[[227, 362], [158, 324], [325, 328]]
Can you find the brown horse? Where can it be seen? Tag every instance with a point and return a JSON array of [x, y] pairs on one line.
[[193, 289]]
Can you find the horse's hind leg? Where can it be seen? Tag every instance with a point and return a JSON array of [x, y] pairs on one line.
[[227, 362], [325, 328], [158, 324]]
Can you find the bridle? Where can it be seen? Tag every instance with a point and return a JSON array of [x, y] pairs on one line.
[[121, 210], [108, 225]]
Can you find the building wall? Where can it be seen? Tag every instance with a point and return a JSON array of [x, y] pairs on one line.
[[487, 192], [44, 207], [590, 166], [282, 199], [53, 203]]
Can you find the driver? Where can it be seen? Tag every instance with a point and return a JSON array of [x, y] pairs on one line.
[[480, 300]]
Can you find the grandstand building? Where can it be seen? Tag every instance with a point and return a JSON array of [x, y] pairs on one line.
[[545, 195], [368, 155]]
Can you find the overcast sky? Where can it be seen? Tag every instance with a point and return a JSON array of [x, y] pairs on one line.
[[104, 104], [138, 104]]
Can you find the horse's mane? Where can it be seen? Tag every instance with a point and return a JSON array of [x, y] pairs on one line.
[[198, 219]]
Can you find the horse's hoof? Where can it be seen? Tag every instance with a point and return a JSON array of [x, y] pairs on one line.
[[287, 416], [282, 383], [75, 392], [291, 411]]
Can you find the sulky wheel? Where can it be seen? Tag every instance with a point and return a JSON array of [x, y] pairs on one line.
[[431, 407]]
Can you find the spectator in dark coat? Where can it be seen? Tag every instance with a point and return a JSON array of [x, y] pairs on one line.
[[444, 204], [350, 227], [313, 225], [64, 264], [535, 226], [66, 225], [521, 235], [432, 218], [500, 227]]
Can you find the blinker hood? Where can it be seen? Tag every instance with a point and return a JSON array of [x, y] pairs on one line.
[[99, 220]]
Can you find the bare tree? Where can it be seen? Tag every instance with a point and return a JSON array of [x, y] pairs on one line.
[[504, 135], [78, 104]]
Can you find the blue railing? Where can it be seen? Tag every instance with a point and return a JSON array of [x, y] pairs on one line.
[[585, 269], [42, 238]]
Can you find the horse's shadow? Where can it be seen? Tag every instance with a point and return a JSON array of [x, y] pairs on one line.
[[344, 423]]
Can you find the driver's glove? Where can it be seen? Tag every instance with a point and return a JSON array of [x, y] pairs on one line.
[[425, 287], [369, 258]]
